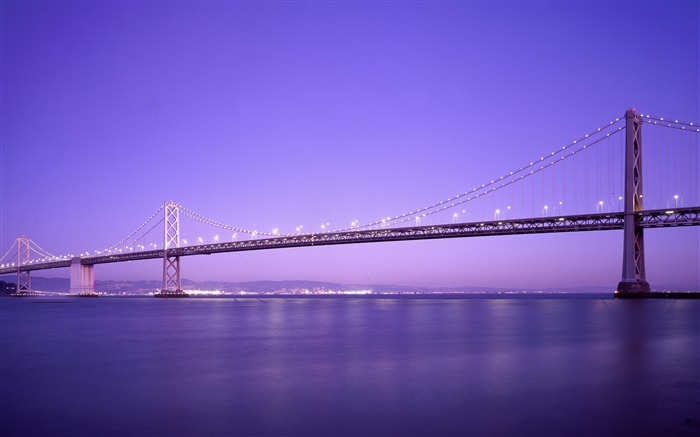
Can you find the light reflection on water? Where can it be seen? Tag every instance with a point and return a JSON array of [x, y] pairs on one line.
[[349, 367]]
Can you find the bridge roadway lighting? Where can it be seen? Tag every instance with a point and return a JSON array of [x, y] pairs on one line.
[[675, 197]]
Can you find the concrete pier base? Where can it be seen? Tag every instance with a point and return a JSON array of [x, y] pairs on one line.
[[659, 295], [633, 287], [82, 279], [171, 294]]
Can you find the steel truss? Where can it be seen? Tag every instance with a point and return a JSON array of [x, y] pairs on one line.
[[24, 284], [576, 223], [171, 239]]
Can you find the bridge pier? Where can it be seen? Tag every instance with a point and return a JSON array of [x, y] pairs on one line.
[[24, 286], [82, 279], [633, 282]]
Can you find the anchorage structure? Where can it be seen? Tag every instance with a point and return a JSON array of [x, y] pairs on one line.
[[82, 279], [633, 270], [171, 263]]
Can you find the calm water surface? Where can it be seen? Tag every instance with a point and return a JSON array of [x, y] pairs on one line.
[[565, 366]]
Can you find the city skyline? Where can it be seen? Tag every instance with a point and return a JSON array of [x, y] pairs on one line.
[[273, 116]]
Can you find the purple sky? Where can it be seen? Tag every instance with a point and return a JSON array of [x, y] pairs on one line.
[[275, 115]]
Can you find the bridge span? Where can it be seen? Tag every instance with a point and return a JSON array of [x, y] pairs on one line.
[[632, 218], [538, 225]]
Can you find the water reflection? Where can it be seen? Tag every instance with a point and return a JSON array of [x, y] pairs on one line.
[[350, 367]]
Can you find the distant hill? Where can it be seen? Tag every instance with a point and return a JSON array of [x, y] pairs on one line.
[[7, 287], [293, 286]]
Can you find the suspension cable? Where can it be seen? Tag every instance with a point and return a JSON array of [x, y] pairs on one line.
[[200, 218], [675, 124], [483, 189], [113, 247], [46, 253], [14, 244], [482, 192]]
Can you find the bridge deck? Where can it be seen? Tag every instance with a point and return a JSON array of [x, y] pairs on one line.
[[573, 223]]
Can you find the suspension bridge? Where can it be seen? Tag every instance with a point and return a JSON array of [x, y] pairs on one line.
[[591, 184]]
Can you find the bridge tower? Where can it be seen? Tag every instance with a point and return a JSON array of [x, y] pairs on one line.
[[24, 286], [633, 270], [171, 264]]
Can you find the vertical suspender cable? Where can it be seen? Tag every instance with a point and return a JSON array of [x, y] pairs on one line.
[[575, 185], [585, 181], [610, 189], [668, 170], [554, 185], [543, 202]]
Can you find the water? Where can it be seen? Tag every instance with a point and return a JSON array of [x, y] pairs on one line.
[[560, 366]]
